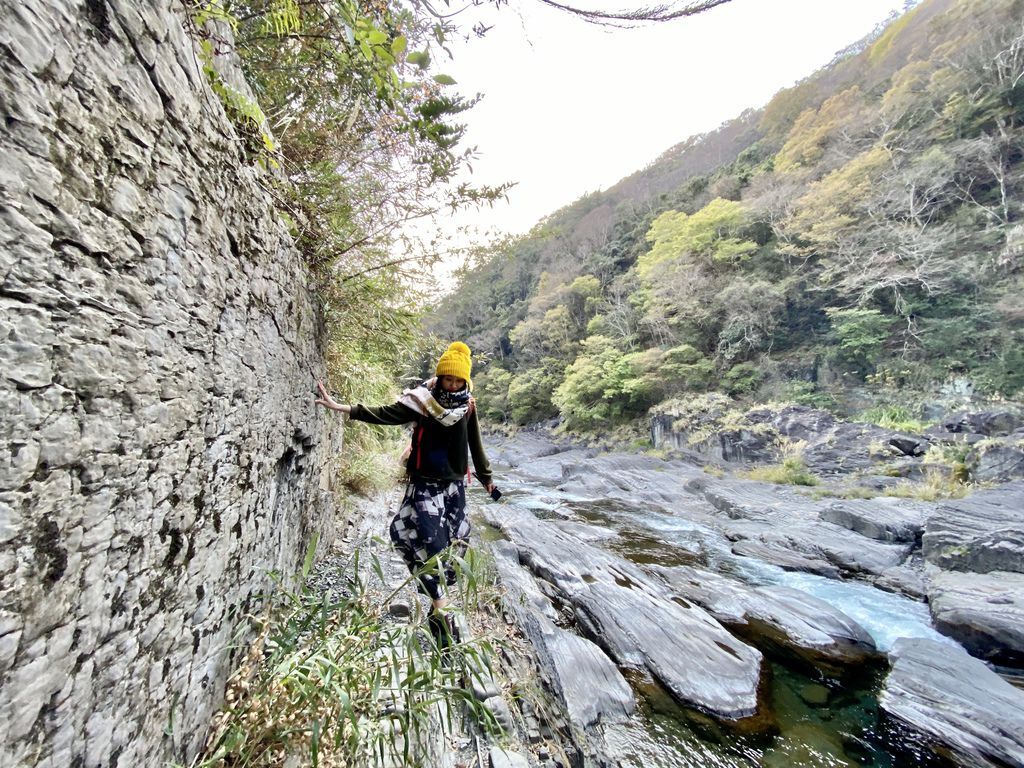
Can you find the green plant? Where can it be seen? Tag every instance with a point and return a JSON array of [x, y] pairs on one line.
[[895, 417], [331, 681], [741, 379], [807, 393], [791, 471], [861, 334]]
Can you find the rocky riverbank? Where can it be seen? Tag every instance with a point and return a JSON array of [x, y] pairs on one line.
[[692, 617]]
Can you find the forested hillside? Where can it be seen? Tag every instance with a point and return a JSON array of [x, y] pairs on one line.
[[861, 231]]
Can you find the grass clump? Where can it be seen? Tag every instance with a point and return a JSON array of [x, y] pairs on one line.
[[791, 471], [894, 417], [331, 681]]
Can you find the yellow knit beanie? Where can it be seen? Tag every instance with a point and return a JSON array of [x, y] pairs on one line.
[[456, 362]]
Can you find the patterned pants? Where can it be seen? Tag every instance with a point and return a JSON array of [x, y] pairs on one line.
[[431, 519]]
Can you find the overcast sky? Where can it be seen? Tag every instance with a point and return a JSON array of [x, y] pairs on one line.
[[571, 108]]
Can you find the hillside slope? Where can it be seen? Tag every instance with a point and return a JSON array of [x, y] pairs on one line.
[[862, 230]]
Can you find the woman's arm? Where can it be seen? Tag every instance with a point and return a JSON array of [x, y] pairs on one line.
[[327, 401], [476, 450], [386, 415]]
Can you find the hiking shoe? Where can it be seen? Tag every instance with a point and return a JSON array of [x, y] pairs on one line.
[[443, 629]]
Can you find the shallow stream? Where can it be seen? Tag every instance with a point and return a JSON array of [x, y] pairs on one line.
[[822, 721]]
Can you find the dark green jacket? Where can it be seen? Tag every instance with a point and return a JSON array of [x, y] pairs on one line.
[[438, 452]]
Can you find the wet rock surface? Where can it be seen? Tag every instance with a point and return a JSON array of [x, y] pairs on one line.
[[775, 618], [875, 541], [788, 528], [587, 682], [636, 623], [957, 702]]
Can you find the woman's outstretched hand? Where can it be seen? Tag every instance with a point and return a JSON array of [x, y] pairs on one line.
[[327, 401]]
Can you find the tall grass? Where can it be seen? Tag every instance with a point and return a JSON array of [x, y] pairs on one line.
[[333, 681], [894, 417]]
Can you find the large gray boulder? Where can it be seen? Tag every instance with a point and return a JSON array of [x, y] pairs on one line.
[[884, 519], [999, 460], [586, 681], [775, 618], [629, 615], [987, 423], [981, 533], [984, 611], [956, 702]]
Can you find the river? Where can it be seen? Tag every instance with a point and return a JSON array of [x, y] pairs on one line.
[[823, 721]]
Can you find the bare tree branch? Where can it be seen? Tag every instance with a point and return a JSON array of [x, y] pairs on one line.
[[632, 16]]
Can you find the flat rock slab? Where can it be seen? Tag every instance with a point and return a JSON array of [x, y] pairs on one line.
[[981, 533], [787, 529], [637, 623], [886, 519], [983, 611], [776, 617], [589, 685], [956, 701]]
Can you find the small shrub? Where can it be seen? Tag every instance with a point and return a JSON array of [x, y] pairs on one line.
[[807, 393], [934, 487], [792, 471], [893, 417], [741, 379]]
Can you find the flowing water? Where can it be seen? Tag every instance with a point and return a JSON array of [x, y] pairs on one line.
[[823, 722]]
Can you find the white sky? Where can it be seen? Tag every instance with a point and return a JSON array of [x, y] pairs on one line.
[[571, 108]]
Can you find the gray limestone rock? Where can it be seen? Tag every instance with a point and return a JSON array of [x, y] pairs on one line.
[[987, 423], [633, 619], [891, 520], [587, 682], [982, 532], [983, 611], [776, 618], [956, 702], [786, 528], [500, 758], [160, 339], [999, 460]]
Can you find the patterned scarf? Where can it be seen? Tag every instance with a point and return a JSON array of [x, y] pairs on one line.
[[427, 400]]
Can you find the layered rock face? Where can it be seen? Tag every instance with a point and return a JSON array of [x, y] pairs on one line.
[[158, 344]]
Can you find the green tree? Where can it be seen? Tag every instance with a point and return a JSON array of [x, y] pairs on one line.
[[604, 384], [861, 334]]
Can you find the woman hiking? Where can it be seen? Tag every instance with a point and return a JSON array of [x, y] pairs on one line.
[[432, 515]]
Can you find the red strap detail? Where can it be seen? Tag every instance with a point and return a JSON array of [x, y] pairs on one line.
[[417, 438]]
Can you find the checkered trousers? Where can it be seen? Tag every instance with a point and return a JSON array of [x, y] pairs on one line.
[[432, 518]]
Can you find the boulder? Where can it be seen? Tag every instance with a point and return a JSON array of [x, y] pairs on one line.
[[884, 519], [776, 619], [800, 422], [844, 449], [980, 533], [987, 423], [586, 681], [983, 611], [635, 621], [956, 702], [996, 460], [908, 445]]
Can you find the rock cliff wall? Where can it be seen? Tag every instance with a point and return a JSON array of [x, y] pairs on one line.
[[158, 342]]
